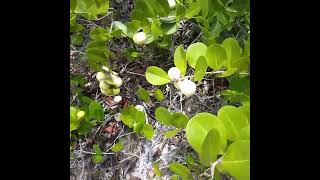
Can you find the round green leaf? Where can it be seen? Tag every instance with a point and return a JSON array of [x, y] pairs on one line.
[[179, 120], [201, 68], [199, 126], [245, 133], [163, 116], [156, 76], [170, 134], [180, 170], [118, 146], [216, 56], [210, 148], [236, 160], [194, 51], [180, 60], [158, 95], [234, 120], [74, 123], [99, 34], [147, 131], [143, 95], [233, 50]]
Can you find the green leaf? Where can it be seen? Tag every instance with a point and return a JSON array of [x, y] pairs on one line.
[[233, 50], [190, 160], [246, 109], [96, 111], [156, 76], [97, 55], [180, 60], [147, 7], [180, 170], [170, 134], [242, 64], [210, 147], [118, 146], [235, 96], [77, 39], [73, 5], [236, 160], [180, 12], [156, 28], [234, 120], [74, 123], [150, 39], [216, 56], [99, 34], [162, 7], [117, 25], [245, 133], [201, 69], [130, 115], [137, 127], [90, 9], [84, 127], [199, 126], [157, 170], [204, 4], [228, 72], [179, 120], [163, 116], [143, 95], [158, 95], [193, 10], [246, 50], [169, 28], [239, 84], [97, 158], [174, 177], [194, 51], [148, 131], [132, 27]]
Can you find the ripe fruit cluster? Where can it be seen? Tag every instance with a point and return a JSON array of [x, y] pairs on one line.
[[109, 83], [187, 87]]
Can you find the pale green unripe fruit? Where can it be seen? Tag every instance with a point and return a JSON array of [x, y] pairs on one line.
[[188, 88], [117, 99], [116, 91], [116, 80], [104, 85], [139, 107], [101, 76], [139, 38], [172, 4], [81, 114], [174, 73], [107, 92]]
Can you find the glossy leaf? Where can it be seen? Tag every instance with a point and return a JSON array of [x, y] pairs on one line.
[[99, 34], [194, 51], [180, 170], [180, 60], [236, 160], [199, 126], [156, 76], [216, 56], [170, 134], [147, 131], [143, 95], [179, 120], [210, 147], [157, 170], [193, 10], [130, 115], [118, 146], [233, 50], [97, 158], [201, 69], [96, 111], [234, 120], [158, 95], [73, 119], [163, 116]]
